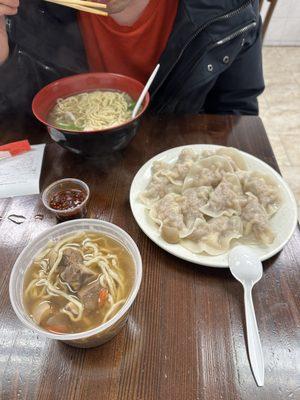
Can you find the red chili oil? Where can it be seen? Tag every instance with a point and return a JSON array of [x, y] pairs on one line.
[[67, 199]]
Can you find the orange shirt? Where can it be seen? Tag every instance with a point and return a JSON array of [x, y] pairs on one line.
[[128, 50]]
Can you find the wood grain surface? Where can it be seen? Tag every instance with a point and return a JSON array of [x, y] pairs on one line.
[[185, 337]]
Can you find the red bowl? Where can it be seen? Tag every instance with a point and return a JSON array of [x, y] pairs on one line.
[[94, 143]]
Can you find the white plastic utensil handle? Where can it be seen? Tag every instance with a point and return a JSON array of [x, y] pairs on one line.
[[144, 92], [254, 344]]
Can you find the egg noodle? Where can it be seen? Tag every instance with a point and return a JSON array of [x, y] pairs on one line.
[[92, 110]]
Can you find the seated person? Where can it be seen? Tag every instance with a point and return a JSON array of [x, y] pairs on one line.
[[209, 51]]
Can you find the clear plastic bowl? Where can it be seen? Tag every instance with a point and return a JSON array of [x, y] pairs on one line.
[[66, 184], [104, 332]]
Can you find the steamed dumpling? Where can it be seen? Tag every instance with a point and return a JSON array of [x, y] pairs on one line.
[[234, 157], [255, 221], [192, 201], [188, 171], [214, 236], [176, 214], [178, 171], [168, 215], [265, 189], [231, 154], [207, 172], [187, 155], [159, 166], [158, 187], [226, 199]]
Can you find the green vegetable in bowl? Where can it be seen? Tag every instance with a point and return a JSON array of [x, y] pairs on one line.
[[131, 106], [70, 127]]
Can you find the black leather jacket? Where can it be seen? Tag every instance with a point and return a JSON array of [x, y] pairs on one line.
[[212, 62]]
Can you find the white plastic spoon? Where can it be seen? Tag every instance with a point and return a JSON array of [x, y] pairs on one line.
[[144, 92], [247, 269]]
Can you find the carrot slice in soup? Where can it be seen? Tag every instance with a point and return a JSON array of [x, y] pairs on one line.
[[103, 295]]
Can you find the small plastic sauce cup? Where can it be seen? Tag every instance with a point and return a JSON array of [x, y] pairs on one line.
[[76, 212]]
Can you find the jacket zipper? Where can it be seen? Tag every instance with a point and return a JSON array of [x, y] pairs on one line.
[[235, 34], [201, 29]]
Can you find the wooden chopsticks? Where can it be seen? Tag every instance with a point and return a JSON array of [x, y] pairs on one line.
[[82, 5]]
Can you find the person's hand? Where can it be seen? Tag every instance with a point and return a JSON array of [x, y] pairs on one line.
[[7, 7]]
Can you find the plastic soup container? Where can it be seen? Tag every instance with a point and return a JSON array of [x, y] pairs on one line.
[[105, 331]]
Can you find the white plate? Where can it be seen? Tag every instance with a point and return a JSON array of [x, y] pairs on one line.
[[283, 223]]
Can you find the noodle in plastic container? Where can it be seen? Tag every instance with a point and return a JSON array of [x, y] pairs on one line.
[[50, 285]]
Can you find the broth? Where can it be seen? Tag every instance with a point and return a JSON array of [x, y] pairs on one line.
[[78, 282]]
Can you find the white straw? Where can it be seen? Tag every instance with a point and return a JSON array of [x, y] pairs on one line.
[[144, 92]]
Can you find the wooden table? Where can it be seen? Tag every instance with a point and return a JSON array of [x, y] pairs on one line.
[[185, 338]]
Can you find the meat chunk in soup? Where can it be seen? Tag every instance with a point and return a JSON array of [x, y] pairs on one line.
[[71, 256], [91, 294], [73, 271]]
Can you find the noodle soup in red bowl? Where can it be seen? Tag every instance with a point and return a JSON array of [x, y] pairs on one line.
[[90, 114]]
